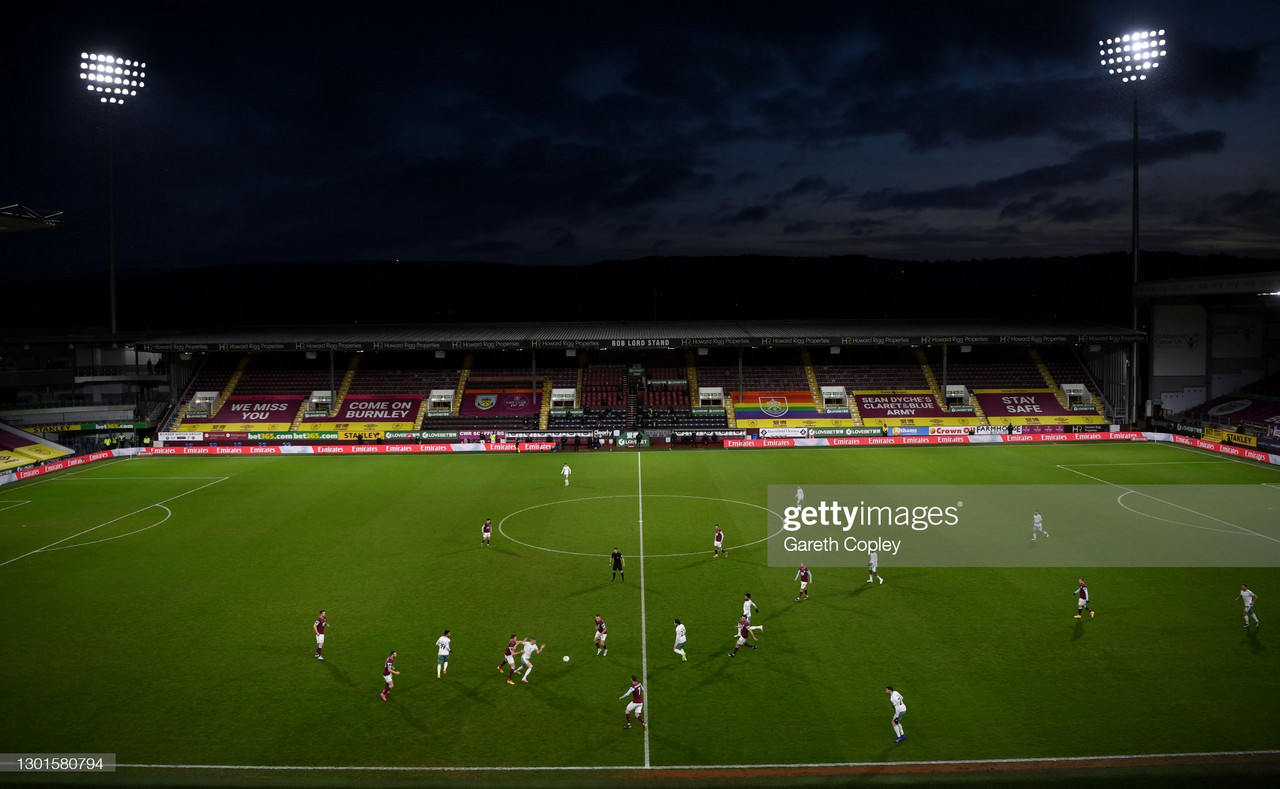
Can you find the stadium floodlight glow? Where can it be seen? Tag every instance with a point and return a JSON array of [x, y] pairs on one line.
[[111, 70], [1145, 45]]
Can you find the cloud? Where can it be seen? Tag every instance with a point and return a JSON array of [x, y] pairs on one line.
[[804, 186], [1076, 209], [803, 227], [752, 213], [565, 242], [1090, 165], [1020, 208]]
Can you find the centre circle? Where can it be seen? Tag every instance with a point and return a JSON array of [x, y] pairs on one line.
[[637, 521]]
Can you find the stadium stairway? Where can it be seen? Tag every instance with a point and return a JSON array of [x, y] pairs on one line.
[[809, 375], [691, 373], [347, 380], [933, 382], [977, 410], [730, 417], [232, 383], [853, 409], [467, 361], [544, 416], [582, 372], [1048, 378], [632, 402]]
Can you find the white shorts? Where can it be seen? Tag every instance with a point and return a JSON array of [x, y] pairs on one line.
[[803, 584], [637, 707], [511, 659], [718, 543], [1081, 602], [899, 712], [741, 641], [872, 566], [320, 639], [484, 535], [525, 660], [387, 678], [600, 637]]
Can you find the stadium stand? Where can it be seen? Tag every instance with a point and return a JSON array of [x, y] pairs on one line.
[[873, 369], [988, 367], [404, 373], [19, 448], [1252, 410], [763, 370], [293, 374]]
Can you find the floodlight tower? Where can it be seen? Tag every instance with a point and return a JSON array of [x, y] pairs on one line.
[[112, 80], [1131, 57]]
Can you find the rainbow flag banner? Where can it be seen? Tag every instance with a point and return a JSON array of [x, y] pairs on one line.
[[771, 409]]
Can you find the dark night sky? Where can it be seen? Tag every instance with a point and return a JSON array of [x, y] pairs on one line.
[[575, 132]]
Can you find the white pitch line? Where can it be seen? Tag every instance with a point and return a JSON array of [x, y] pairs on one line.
[[62, 476], [509, 516], [1027, 760], [145, 479], [113, 520], [1226, 458], [8, 505], [168, 513], [1155, 463], [644, 647], [1162, 501]]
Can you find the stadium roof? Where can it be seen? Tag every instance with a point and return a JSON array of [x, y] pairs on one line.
[[663, 334], [1221, 285], [16, 218]]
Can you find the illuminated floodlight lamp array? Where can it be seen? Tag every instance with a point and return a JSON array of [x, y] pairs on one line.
[[1132, 55], [113, 79]]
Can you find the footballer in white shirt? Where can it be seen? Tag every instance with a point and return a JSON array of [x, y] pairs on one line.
[[1037, 525], [1249, 597], [443, 648], [899, 710]]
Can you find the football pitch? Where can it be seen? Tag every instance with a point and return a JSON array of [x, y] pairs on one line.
[[161, 609]]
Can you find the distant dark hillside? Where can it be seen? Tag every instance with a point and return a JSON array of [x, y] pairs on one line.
[[1094, 287]]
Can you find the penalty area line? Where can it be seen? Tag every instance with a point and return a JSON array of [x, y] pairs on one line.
[[1028, 761], [159, 504]]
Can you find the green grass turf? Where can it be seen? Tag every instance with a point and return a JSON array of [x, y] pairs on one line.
[[184, 635]]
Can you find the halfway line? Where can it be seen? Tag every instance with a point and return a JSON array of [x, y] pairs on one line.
[[644, 648]]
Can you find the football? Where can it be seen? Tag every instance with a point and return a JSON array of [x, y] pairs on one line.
[[566, 658]]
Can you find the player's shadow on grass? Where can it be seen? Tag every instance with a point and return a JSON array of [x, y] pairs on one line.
[[407, 712], [1255, 645], [338, 673], [470, 692], [586, 590], [1078, 632], [719, 674], [695, 564]]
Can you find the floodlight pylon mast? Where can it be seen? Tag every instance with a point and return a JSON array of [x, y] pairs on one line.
[[1135, 390], [1131, 57], [111, 220], [113, 80]]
